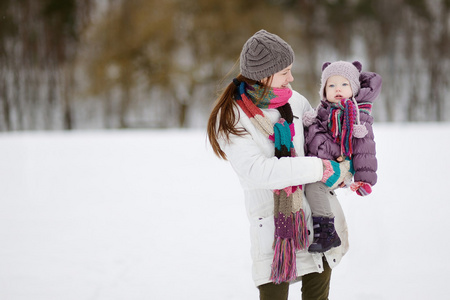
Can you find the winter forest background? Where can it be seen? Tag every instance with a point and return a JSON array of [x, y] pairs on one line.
[[95, 64]]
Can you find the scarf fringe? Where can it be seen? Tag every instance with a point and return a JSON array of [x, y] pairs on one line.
[[300, 235], [284, 265]]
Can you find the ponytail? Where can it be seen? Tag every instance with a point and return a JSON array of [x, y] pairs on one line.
[[223, 119]]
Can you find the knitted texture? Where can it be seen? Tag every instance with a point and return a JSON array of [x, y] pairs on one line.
[[341, 122], [330, 168], [309, 118], [291, 232], [360, 130], [361, 188], [335, 174], [264, 54]]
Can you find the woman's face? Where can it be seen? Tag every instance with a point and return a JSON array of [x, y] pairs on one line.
[[281, 79]]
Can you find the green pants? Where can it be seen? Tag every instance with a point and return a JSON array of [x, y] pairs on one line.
[[315, 286]]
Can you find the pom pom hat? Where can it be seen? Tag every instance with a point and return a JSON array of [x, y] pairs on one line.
[[351, 71], [264, 54]]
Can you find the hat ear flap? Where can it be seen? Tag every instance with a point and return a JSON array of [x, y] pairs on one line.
[[358, 65], [325, 64]]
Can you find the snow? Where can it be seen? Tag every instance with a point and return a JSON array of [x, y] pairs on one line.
[[155, 215]]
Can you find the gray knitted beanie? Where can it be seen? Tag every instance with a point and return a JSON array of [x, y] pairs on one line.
[[351, 71], [264, 54]]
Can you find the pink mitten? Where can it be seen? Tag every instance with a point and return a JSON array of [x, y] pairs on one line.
[[361, 188]]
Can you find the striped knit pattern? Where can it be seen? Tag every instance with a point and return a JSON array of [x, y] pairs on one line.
[[341, 120], [343, 116], [365, 107], [291, 233]]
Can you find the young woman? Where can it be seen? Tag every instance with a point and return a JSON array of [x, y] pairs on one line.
[[256, 124]]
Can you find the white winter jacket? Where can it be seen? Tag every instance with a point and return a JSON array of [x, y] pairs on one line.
[[252, 158]]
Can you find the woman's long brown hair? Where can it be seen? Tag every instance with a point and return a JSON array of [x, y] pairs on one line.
[[223, 119]]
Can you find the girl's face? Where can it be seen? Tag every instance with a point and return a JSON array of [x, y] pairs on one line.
[[338, 88], [281, 79]]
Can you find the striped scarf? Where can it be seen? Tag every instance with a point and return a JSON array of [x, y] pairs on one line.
[[291, 233], [343, 119]]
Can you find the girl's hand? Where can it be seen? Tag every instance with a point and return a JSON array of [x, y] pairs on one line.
[[361, 188]]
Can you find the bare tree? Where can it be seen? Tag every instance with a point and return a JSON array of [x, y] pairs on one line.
[[38, 44]]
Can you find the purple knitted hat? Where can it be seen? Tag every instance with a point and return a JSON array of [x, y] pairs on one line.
[[345, 69]]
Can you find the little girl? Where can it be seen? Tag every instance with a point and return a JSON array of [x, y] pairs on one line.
[[341, 128]]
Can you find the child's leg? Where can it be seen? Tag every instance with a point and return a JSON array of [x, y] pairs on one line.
[[316, 194], [325, 235]]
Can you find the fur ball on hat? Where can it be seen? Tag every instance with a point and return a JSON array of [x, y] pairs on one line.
[[351, 71], [264, 54]]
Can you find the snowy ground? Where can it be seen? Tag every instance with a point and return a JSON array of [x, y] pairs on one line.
[[154, 215]]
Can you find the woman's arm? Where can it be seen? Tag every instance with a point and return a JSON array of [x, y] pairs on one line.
[[260, 171]]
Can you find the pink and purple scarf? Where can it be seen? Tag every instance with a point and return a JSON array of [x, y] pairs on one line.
[[291, 233]]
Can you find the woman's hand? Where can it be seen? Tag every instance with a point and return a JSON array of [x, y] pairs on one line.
[[336, 173]]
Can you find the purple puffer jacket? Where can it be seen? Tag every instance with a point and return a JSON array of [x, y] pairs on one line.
[[319, 141]]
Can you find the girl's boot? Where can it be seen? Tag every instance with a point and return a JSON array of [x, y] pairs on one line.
[[325, 235]]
